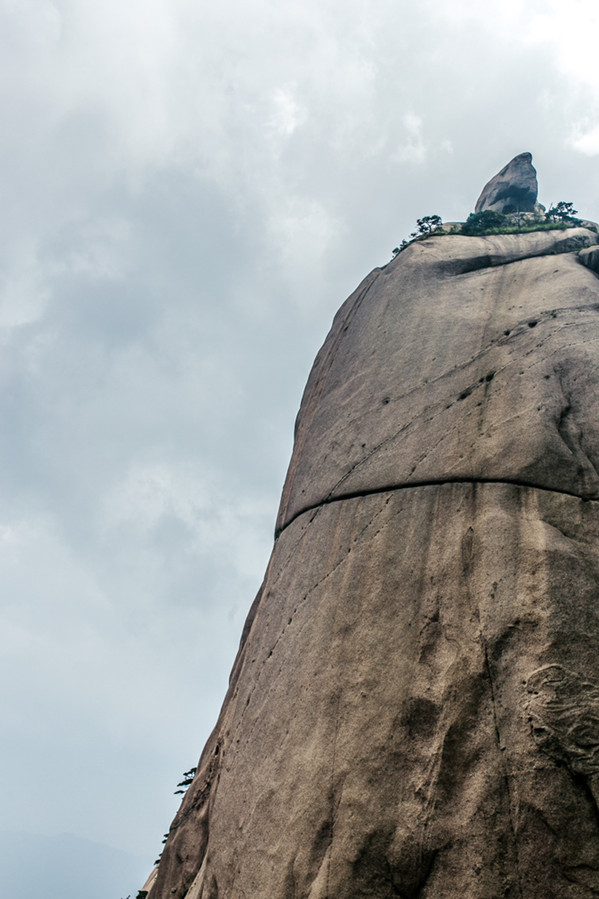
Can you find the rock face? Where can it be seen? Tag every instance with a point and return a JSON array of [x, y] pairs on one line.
[[414, 708], [513, 189]]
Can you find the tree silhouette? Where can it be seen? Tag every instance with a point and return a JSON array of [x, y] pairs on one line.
[[428, 224], [562, 212]]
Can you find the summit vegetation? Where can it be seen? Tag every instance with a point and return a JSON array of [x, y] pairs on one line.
[[559, 216], [562, 215]]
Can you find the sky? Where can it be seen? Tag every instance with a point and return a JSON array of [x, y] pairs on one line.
[[188, 193]]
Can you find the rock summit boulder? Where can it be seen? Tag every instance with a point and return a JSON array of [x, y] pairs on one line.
[[414, 708], [513, 189]]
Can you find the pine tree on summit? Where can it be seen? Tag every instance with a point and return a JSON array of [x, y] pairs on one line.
[[562, 212], [429, 223]]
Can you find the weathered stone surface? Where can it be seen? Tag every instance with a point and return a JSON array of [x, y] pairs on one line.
[[513, 189], [414, 709], [590, 258], [149, 882], [464, 358]]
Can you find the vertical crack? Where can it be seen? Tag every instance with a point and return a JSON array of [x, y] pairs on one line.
[[506, 777], [334, 805]]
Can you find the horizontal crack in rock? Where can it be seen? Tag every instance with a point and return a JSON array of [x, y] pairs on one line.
[[356, 494]]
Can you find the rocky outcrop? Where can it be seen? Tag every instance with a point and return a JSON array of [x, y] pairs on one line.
[[590, 258], [414, 709], [513, 189]]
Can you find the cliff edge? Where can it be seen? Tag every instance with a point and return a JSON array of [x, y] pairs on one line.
[[414, 709]]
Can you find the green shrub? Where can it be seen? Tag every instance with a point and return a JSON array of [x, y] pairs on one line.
[[485, 221], [508, 227]]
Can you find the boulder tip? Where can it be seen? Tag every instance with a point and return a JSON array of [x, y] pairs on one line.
[[513, 189]]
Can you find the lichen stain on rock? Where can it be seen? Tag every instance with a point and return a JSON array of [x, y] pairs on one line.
[[563, 710]]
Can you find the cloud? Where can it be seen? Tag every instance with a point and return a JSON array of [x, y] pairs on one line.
[[287, 114], [414, 149], [586, 141], [23, 289]]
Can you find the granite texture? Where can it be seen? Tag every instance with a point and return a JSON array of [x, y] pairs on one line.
[[513, 189], [414, 708], [466, 357]]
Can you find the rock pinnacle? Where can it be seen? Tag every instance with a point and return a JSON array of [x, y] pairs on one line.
[[513, 189]]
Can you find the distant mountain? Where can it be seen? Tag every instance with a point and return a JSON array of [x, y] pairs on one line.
[[66, 867]]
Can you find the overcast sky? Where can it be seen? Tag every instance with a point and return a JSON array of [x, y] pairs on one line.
[[188, 193]]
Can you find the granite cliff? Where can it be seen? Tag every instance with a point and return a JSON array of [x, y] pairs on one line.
[[414, 708]]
